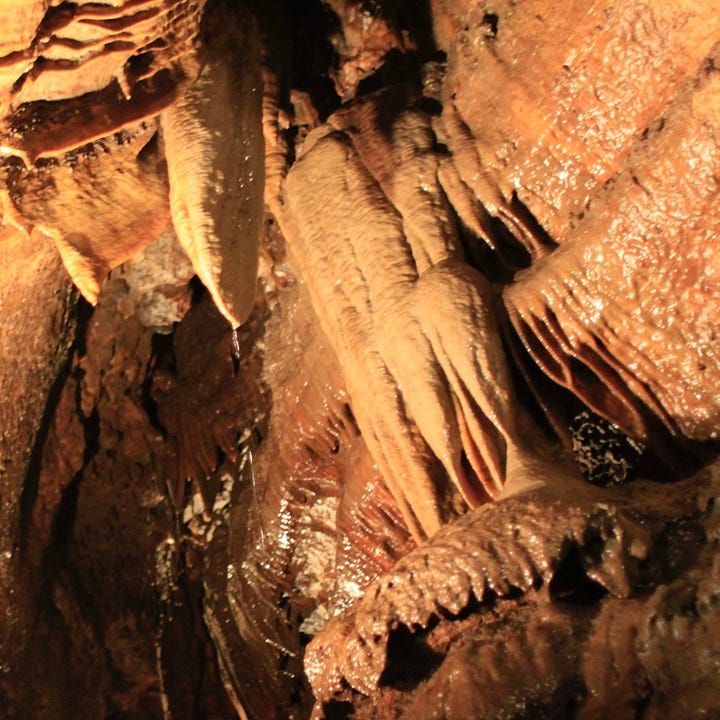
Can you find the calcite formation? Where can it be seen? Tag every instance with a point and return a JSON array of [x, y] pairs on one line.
[[81, 102], [502, 560], [488, 238], [395, 333], [615, 296], [580, 87], [76, 73]]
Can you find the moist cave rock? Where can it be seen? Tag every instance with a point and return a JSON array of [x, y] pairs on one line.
[[359, 359]]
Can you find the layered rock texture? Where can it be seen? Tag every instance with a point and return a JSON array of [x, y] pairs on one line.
[[390, 388]]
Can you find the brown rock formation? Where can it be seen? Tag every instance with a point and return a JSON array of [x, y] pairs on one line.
[[482, 222], [91, 86]]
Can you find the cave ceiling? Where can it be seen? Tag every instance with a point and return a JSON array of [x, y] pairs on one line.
[[359, 359]]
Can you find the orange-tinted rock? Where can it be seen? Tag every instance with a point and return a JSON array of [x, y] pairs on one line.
[[367, 36], [102, 546], [411, 323], [36, 305], [555, 596], [544, 102], [88, 202], [308, 507], [492, 613], [623, 314], [95, 77], [127, 61]]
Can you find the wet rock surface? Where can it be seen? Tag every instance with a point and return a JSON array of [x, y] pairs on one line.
[[484, 222], [500, 616]]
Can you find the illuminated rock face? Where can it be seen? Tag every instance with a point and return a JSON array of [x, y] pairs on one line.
[[512, 221], [81, 106]]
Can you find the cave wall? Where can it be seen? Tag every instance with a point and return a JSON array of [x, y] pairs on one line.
[[298, 517]]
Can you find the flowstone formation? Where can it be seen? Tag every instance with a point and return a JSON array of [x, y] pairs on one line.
[[428, 433], [84, 91]]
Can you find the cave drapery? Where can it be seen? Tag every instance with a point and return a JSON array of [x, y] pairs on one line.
[[359, 359]]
